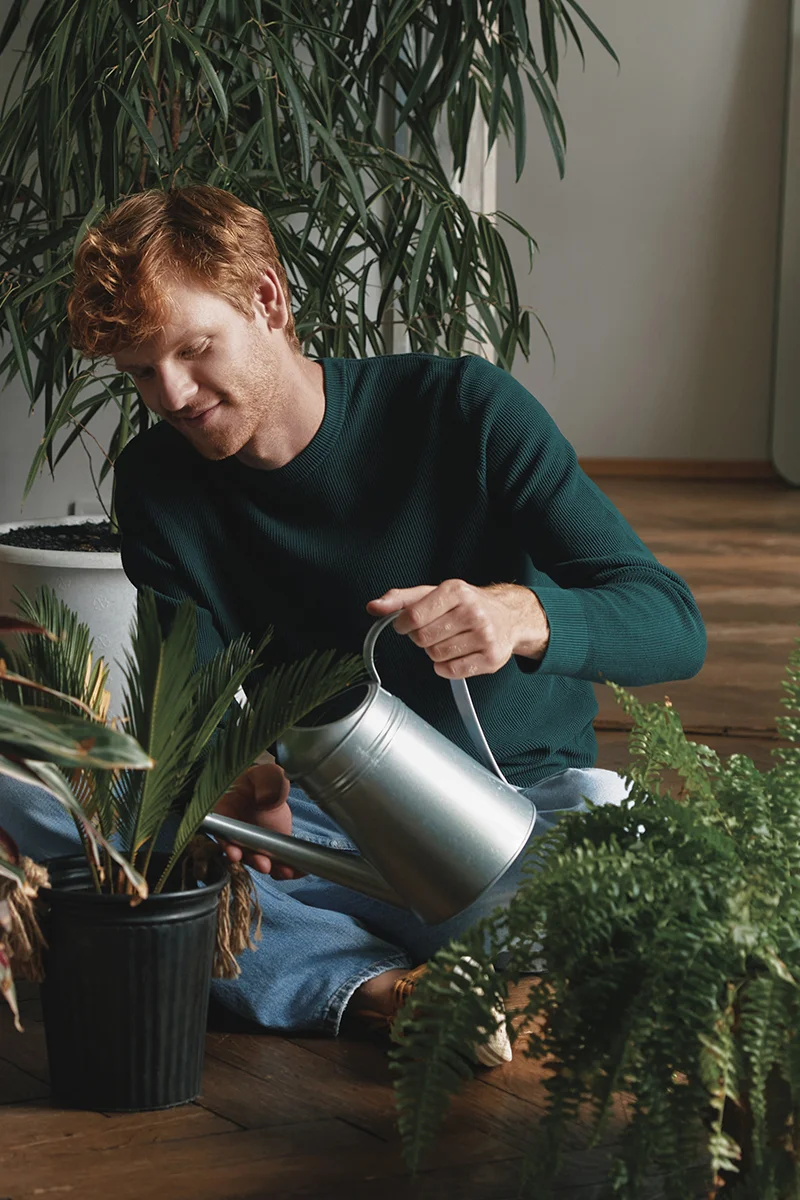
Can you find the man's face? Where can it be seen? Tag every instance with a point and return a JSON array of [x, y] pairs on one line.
[[211, 373]]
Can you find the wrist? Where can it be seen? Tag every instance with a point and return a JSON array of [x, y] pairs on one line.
[[534, 633]]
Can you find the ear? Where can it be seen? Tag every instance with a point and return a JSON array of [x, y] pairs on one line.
[[269, 301]]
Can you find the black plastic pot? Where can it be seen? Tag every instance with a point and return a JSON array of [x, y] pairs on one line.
[[125, 995]]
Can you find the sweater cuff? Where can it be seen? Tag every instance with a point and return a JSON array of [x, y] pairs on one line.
[[568, 647]]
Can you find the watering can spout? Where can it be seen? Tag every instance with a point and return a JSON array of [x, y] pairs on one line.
[[436, 828], [338, 866]]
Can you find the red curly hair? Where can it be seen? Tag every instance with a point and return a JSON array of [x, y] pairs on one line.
[[155, 238]]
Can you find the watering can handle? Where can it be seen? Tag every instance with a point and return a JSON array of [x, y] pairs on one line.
[[460, 694]]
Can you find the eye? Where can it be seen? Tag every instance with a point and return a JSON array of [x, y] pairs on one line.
[[195, 351]]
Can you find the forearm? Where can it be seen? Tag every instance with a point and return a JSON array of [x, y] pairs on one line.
[[644, 627]]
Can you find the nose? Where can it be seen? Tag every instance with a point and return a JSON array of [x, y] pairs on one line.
[[176, 387]]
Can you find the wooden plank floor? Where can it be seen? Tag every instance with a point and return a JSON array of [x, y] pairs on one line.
[[313, 1117]]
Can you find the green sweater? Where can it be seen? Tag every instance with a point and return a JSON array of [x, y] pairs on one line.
[[424, 469]]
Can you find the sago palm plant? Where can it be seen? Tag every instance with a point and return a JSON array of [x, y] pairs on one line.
[[346, 121], [185, 722], [663, 936]]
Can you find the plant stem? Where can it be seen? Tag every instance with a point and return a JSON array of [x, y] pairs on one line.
[[87, 850], [148, 856]]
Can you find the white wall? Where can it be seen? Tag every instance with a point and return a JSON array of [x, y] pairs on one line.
[[658, 254]]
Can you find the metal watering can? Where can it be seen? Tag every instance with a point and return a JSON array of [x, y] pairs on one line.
[[436, 829]]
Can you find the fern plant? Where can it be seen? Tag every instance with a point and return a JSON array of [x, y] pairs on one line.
[[664, 941], [184, 722]]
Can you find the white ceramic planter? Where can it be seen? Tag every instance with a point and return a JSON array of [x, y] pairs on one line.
[[92, 583]]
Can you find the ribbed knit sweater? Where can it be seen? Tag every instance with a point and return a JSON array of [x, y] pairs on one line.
[[423, 469]]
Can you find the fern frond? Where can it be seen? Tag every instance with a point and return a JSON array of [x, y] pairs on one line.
[[658, 738], [451, 1006], [789, 726]]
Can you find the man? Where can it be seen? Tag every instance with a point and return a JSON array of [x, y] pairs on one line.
[[316, 496]]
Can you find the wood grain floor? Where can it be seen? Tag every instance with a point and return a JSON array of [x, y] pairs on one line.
[[313, 1117]]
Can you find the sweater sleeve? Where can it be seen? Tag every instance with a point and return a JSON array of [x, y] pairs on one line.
[[149, 561], [615, 612]]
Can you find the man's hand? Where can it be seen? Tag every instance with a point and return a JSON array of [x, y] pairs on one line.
[[259, 798], [469, 630]]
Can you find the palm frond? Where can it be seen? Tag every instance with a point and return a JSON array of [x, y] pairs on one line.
[[159, 709], [279, 701], [217, 683], [67, 667]]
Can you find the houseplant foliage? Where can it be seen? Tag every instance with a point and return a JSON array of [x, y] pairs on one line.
[[133, 940], [345, 122], [32, 748], [185, 720], [665, 935]]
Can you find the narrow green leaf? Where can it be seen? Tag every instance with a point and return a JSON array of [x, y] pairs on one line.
[[194, 45], [549, 45], [298, 108], [242, 151], [589, 23], [11, 22], [423, 76], [139, 124], [205, 14], [61, 417], [498, 82], [20, 350], [520, 126], [571, 28], [88, 220], [551, 118], [427, 240], [356, 189]]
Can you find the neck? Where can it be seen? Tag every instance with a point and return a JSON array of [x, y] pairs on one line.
[[299, 409]]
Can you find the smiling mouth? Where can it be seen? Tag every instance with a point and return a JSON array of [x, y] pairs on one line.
[[197, 417]]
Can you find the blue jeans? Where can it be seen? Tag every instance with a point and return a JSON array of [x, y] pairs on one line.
[[320, 941]]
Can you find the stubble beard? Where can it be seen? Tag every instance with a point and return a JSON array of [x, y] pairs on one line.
[[234, 425], [244, 409]]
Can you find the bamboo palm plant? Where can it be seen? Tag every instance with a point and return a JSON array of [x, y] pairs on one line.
[[346, 121], [663, 935], [183, 722]]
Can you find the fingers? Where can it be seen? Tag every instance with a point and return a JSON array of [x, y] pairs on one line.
[[397, 598], [464, 668], [463, 629], [259, 797], [260, 862], [268, 785]]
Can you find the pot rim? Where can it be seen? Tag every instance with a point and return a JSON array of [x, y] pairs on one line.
[[89, 896], [97, 560]]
